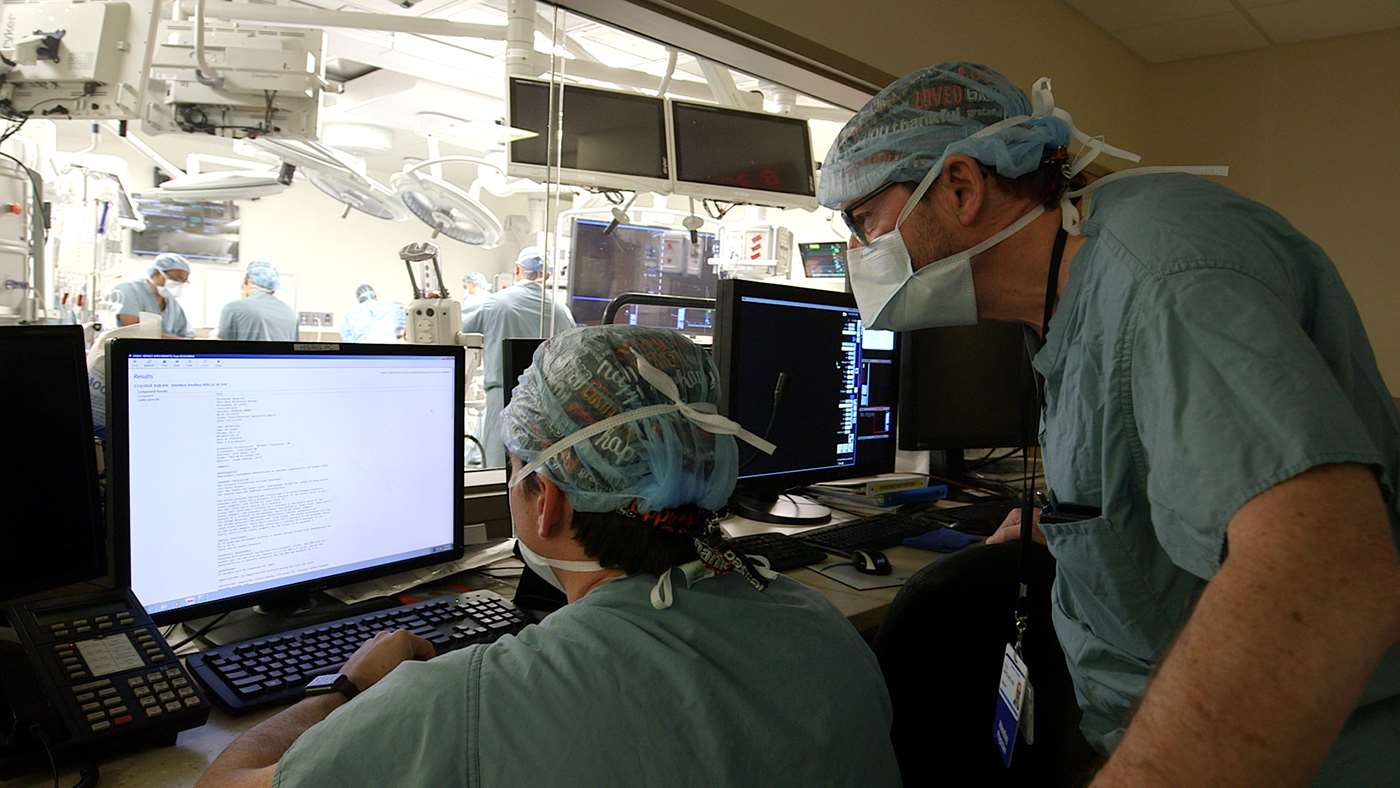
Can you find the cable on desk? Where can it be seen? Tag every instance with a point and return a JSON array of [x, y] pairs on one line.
[[88, 776], [37, 731], [201, 632]]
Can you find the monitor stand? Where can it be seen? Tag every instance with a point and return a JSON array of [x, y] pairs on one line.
[[779, 509]]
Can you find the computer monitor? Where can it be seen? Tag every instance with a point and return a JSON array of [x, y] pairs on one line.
[[637, 258], [52, 532], [517, 354], [610, 139], [967, 387], [824, 260], [835, 417], [745, 157], [255, 472]]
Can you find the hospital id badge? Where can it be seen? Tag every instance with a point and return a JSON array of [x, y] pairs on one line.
[[1011, 697]]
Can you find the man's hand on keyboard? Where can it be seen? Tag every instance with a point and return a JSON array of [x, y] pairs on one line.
[[1010, 530], [382, 653]]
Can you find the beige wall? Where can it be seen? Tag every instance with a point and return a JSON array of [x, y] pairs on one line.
[[1095, 77], [1313, 131]]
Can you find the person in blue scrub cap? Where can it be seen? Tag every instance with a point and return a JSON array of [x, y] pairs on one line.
[[158, 294], [526, 309], [1232, 613], [372, 320], [676, 662], [477, 288], [259, 316]]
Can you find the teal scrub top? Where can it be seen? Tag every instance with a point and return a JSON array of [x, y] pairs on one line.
[[729, 686], [372, 321], [1202, 352], [137, 297], [261, 317], [510, 314]]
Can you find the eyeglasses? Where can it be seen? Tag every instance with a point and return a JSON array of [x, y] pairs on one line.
[[848, 215]]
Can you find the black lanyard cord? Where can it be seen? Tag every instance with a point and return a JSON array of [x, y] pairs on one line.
[[1052, 286]]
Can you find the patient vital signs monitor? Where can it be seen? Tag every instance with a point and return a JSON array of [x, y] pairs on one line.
[[249, 471]]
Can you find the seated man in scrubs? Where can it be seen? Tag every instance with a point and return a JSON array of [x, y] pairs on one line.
[[157, 294], [676, 662], [259, 316]]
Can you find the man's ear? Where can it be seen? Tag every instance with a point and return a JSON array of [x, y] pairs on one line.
[[555, 512], [965, 189]]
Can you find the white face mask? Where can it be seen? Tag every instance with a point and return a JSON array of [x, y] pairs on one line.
[[893, 297], [544, 567], [172, 289]]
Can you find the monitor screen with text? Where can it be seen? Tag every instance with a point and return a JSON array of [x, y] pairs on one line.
[[248, 473]]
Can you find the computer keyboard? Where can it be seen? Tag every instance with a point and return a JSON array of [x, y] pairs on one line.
[[782, 551], [982, 519], [871, 533], [274, 670]]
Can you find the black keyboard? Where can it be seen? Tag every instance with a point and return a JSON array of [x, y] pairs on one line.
[[782, 551], [274, 670], [871, 533]]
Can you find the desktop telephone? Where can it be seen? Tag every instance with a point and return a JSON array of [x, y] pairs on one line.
[[90, 676]]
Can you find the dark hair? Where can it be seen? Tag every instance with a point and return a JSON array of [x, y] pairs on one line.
[[620, 542], [1044, 185]]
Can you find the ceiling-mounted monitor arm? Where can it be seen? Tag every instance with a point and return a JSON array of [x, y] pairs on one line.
[[319, 19], [140, 146]]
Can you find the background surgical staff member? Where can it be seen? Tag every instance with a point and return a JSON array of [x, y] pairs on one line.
[[259, 315], [157, 294], [1233, 617], [372, 320], [513, 312]]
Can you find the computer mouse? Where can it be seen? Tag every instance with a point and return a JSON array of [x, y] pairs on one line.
[[871, 562]]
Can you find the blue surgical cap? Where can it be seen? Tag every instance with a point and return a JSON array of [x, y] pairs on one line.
[[585, 375], [168, 262], [263, 275], [915, 123], [477, 278], [365, 293], [530, 259]]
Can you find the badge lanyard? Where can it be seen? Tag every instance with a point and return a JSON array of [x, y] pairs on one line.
[[1015, 698]]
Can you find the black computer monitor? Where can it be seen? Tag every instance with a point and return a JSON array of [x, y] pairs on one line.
[[607, 138], [968, 387], [742, 156], [517, 353], [255, 472], [824, 260], [52, 532], [840, 383], [637, 258]]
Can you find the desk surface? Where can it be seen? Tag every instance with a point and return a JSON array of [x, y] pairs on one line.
[[183, 763]]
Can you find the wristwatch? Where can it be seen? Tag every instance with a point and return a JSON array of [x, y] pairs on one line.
[[332, 682]]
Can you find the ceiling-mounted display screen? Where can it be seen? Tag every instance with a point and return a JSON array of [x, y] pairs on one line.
[[610, 139], [740, 156]]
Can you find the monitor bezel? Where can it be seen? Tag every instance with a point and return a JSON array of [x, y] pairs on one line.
[[806, 200], [95, 566], [119, 354], [593, 179], [728, 326]]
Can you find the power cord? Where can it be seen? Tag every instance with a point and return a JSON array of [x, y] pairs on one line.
[[37, 731], [201, 632], [778, 388]]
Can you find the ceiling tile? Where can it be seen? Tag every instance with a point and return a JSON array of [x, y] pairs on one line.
[[1115, 15], [1211, 35], [1303, 20]]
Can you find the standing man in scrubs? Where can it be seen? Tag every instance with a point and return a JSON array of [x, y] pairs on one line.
[[372, 320], [476, 287], [259, 316], [1233, 615], [516, 312], [165, 278]]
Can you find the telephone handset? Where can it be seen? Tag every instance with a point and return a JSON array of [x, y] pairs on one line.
[[100, 680]]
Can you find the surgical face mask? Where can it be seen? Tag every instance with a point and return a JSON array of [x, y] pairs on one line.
[[172, 288], [544, 567], [893, 297]]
